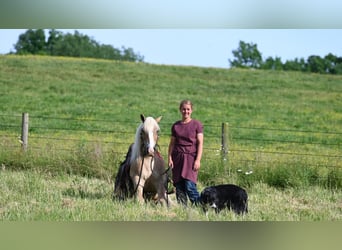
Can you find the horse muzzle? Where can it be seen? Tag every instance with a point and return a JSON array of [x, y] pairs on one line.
[[150, 151]]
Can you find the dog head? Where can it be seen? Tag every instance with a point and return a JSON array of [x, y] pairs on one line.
[[208, 198]]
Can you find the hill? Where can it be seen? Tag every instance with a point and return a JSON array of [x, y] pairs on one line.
[[284, 137], [274, 117], [100, 89]]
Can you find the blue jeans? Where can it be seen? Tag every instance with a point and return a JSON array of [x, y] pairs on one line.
[[185, 189]]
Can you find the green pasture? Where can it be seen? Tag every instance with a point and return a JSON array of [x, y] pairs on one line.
[[32, 196], [120, 91], [284, 131]]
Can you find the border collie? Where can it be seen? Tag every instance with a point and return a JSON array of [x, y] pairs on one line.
[[224, 196]]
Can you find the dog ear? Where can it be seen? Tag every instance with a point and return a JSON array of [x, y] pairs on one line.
[[142, 117], [206, 192]]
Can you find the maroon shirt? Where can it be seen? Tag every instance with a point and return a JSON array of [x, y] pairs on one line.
[[185, 150]]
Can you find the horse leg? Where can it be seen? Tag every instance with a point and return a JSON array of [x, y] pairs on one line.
[[162, 195], [138, 185]]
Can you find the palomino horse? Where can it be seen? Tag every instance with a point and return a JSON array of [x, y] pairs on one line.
[[143, 173]]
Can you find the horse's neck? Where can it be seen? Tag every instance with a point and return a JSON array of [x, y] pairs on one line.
[[146, 158], [145, 162]]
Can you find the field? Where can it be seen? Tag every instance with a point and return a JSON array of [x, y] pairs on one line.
[[284, 137], [30, 196]]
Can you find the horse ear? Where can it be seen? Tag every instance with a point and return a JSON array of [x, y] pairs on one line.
[[158, 119], [142, 117]]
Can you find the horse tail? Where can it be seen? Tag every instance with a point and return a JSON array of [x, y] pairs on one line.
[[123, 186]]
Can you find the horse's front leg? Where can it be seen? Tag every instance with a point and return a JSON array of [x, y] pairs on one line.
[[139, 188], [162, 195], [162, 198]]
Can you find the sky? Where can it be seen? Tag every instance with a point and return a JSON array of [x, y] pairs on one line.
[[205, 47]]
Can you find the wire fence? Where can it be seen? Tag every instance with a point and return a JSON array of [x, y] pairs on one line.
[[247, 146]]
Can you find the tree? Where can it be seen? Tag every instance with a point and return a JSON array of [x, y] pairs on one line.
[[246, 55], [129, 55], [108, 52], [31, 42], [272, 63], [295, 65], [73, 45], [333, 64], [317, 64], [338, 67], [54, 37]]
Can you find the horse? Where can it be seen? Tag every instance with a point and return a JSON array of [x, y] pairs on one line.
[[143, 173]]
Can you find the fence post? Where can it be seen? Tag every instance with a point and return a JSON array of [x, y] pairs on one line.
[[24, 131], [225, 138]]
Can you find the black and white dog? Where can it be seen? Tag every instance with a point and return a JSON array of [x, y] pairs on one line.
[[225, 196]]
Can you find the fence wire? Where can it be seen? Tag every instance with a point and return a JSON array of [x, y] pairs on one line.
[[123, 133]]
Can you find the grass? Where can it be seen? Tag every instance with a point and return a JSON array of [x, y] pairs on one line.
[[33, 196], [285, 127], [100, 89]]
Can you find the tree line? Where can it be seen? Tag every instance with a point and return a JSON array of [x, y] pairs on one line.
[[73, 45], [247, 55]]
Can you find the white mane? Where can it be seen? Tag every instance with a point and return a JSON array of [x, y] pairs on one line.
[[150, 125]]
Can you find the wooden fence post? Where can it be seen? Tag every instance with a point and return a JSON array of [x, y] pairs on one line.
[[225, 138], [24, 131]]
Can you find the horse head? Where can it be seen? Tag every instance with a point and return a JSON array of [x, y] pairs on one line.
[[149, 131]]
